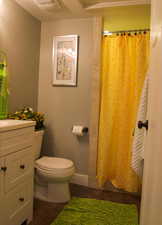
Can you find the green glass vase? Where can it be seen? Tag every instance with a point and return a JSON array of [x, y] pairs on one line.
[[3, 107], [3, 91]]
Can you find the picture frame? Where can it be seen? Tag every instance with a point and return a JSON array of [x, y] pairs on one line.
[[65, 60]]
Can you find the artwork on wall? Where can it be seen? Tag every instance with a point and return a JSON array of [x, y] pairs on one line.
[[65, 57]]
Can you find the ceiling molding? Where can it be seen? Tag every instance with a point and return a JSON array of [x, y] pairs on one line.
[[72, 8], [41, 14], [119, 3]]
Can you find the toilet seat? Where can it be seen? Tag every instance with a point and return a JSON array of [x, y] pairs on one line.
[[57, 167]]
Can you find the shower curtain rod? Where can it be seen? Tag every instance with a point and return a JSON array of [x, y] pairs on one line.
[[123, 31]]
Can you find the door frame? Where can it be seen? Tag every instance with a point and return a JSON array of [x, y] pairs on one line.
[[95, 100]]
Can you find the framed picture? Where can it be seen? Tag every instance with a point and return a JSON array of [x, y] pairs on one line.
[[65, 60]]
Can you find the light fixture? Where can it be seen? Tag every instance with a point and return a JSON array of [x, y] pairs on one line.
[[48, 4], [44, 1]]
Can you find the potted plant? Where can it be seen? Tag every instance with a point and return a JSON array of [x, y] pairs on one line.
[[27, 113]]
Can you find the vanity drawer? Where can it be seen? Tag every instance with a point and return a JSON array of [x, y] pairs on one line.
[[1, 177], [18, 165], [19, 202], [14, 140]]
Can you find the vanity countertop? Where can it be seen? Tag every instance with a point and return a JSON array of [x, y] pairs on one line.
[[9, 124]]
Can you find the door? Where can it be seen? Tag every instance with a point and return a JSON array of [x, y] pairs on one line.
[[151, 206]]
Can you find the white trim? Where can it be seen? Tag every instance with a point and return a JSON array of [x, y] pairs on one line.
[[119, 3], [95, 98], [81, 179]]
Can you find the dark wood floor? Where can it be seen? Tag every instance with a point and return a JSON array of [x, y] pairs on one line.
[[45, 213]]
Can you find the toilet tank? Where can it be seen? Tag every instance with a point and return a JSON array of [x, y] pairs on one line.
[[37, 143]]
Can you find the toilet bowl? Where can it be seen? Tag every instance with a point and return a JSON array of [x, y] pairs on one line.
[[52, 179], [52, 176]]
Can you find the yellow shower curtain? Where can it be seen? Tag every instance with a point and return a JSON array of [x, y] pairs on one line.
[[124, 67]]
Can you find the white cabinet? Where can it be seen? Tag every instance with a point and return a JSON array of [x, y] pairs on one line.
[[16, 174], [1, 177], [19, 203], [18, 165]]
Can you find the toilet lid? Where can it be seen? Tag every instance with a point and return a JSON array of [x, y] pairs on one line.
[[53, 163]]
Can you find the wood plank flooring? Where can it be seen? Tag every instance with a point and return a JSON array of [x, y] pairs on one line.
[[45, 213]]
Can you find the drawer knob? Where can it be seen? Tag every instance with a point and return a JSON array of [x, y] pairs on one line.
[[4, 168], [22, 167], [21, 199]]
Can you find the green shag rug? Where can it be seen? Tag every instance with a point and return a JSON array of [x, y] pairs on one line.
[[84, 211]]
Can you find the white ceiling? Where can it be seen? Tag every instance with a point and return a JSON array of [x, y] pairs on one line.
[[72, 8]]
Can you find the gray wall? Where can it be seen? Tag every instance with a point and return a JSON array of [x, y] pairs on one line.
[[20, 39], [66, 106]]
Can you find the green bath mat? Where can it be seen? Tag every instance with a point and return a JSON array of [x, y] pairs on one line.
[[84, 211]]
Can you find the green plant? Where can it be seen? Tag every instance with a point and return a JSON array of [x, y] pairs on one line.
[[27, 113]]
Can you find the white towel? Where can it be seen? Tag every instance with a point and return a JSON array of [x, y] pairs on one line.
[[140, 134]]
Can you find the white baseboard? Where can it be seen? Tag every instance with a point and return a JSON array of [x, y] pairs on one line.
[[80, 179]]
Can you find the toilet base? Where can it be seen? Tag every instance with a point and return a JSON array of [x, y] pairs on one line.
[[59, 192], [53, 192]]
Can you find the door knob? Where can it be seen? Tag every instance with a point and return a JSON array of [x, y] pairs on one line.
[[4, 168], [22, 167], [143, 124], [21, 199]]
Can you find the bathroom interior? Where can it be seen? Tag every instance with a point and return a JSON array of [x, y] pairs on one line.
[[75, 84]]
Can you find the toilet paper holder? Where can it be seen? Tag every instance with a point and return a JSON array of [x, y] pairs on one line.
[[85, 130], [82, 130]]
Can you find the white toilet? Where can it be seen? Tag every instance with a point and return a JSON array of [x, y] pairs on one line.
[[52, 175]]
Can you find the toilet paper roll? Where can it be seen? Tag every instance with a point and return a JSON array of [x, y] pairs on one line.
[[78, 130]]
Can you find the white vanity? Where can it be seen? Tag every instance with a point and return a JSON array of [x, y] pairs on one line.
[[16, 171]]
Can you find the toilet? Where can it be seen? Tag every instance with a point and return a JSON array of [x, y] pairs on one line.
[[52, 175]]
